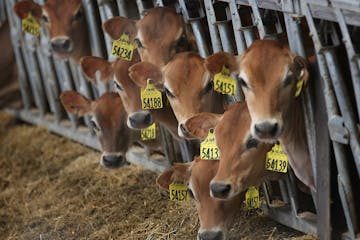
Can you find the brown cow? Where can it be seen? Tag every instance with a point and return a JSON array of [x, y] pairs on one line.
[[187, 84], [65, 22], [242, 157], [269, 75], [129, 92], [216, 216], [109, 122], [159, 35]]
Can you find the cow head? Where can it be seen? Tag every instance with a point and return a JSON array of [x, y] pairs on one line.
[[269, 76], [108, 120], [157, 42], [186, 83], [216, 216], [242, 157], [65, 22]]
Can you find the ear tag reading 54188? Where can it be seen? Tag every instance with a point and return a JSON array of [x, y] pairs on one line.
[[224, 83], [276, 159], [151, 98], [178, 191], [123, 48], [252, 198], [30, 25], [149, 133], [208, 148], [299, 86]]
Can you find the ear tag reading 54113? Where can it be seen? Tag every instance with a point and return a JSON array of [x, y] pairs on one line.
[[208, 148], [224, 83], [149, 133], [30, 25], [276, 159], [123, 48], [151, 98], [299, 86], [252, 198], [178, 191]]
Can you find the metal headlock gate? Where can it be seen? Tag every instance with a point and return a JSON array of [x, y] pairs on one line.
[[331, 35]]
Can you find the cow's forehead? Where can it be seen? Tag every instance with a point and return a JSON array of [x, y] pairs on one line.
[[62, 6], [108, 109]]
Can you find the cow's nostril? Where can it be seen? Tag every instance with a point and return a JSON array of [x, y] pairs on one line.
[[183, 129], [61, 44], [147, 119], [112, 161], [211, 235], [266, 129], [220, 190]]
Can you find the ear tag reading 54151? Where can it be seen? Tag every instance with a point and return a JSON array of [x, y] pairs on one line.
[[30, 25], [224, 83], [208, 148], [149, 133], [299, 86], [151, 98], [123, 48], [252, 198], [178, 191], [276, 159]]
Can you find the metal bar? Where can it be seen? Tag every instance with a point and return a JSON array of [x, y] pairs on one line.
[[257, 17], [236, 22], [200, 38], [168, 145], [211, 19], [225, 36]]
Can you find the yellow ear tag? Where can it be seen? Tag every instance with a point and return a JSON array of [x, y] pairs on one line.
[[208, 148], [30, 25], [276, 159], [224, 83], [178, 191], [252, 198], [151, 98], [149, 133], [123, 48], [299, 86]]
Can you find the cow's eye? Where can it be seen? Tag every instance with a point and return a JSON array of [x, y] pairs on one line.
[[252, 143], [94, 125], [138, 43], [191, 194], [117, 86], [168, 93], [78, 15], [208, 87], [243, 83], [288, 80], [45, 18]]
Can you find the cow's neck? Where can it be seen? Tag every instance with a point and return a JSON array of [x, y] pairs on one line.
[[218, 103], [294, 142]]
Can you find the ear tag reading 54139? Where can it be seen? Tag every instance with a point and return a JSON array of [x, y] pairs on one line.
[[299, 86], [178, 191], [149, 133], [224, 83], [252, 198], [30, 25], [151, 98], [208, 148], [123, 48], [276, 159]]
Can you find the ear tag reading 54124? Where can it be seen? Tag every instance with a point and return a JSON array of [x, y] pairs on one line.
[[178, 191], [224, 83], [149, 133], [151, 98], [299, 86], [252, 198], [123, 48], [208, 148], [276, 159], [30, 25]]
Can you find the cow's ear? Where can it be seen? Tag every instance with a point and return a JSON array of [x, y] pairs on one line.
[[179, 171], [75, 103], [199, 125], [90, 65], [116, 26], [142, 71], [300, 68], [215, 62], [23, 8]]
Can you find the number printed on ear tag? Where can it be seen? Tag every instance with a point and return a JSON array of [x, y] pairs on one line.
[[208, 148], [151, 98], [178, 191], [224, 83], [276, 159], [299, 86], [149, 133], [123, 48], [252, 199], [30, 25]]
